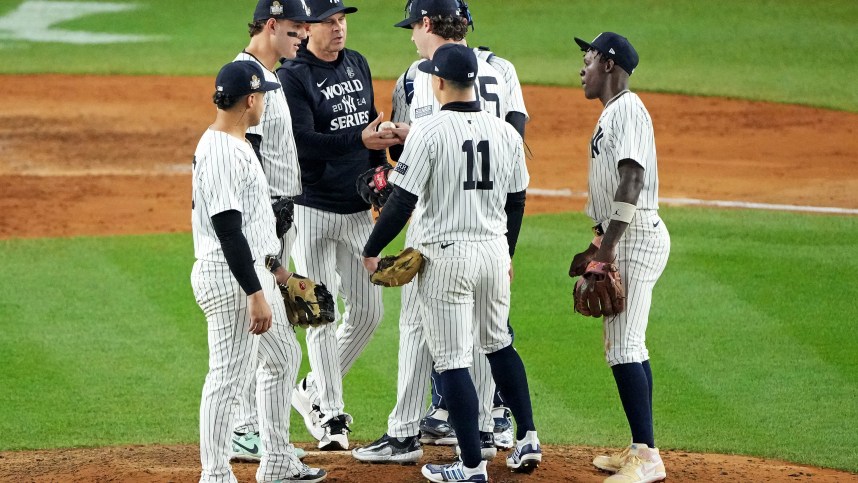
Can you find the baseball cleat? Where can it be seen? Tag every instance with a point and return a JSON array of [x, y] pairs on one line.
[[387, 449], [336, 433], [612, 463], [455, 472], [504, 437], [309, 412], [527, 454], [246, 447], [642, 465], [434, 428], [488, 451]]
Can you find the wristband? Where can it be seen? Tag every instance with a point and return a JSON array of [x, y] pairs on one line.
[[623, 211]]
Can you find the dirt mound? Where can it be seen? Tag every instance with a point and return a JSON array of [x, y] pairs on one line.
[[179, 464]]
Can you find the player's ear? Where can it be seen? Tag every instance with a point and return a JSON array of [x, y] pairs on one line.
[[270, 24], [609, 66]]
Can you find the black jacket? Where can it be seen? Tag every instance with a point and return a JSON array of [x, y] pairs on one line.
[[331, 103]]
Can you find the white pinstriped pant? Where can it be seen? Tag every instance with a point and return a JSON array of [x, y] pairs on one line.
[[234, 355], [641, 257], [246, 419], [415, 357], [328, 250]]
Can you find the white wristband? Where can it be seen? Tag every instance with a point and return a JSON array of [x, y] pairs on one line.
[[623, 211]]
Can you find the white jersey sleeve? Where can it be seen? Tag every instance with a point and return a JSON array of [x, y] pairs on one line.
[[278, 150], [515, 98], [403, 92]]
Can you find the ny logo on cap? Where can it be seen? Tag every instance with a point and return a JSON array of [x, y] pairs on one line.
[[276, 8], [306, 8], [255, 82]]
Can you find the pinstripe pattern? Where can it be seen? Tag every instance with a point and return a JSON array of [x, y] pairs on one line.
[[515, 98], [228, 176], [246, 419], [641, 257], [415, 362], [279, 154], [489, 83], [625, 131], [327, 250], [438, 153]]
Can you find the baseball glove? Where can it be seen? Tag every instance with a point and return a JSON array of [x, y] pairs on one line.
[[600, 291], [284, 210], [393, 271], [378, 195], [307, 304]]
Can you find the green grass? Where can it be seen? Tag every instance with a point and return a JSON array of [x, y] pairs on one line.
[[750, 336], [785, 51]]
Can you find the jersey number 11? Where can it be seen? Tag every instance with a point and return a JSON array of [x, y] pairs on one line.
[[483, 148]]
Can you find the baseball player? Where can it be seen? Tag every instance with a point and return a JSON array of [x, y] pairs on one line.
[[330, 96], [466, 169], [276, 32], [235, 285], [623, 203], [434, 426], [434, 23]]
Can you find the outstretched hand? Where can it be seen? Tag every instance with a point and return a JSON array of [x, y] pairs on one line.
[[373, 139]]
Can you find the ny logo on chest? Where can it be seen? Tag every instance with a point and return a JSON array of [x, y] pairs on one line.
[[594, 142]]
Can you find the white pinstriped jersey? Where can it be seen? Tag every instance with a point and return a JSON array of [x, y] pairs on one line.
[[461, 165], [515, 98], [279, 154], [228, 176], [492, 92], [624, 131]]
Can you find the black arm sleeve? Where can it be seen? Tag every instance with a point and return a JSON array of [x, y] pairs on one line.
[[393, 218], [310, 143], [256, 142], [396, 151], [227, 226], [514, 209], [517, 120]]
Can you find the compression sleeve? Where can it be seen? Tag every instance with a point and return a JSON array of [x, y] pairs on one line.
[[393, 218], [514, 209], [227, 226]]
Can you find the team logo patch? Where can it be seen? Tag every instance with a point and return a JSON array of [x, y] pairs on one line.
[[401, 168], [350, 72], [276, 9], [422, 111], [255, 82]]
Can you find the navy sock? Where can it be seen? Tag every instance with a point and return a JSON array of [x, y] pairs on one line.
[[633, 385], [511, 379], [648, 373], [462, 404]]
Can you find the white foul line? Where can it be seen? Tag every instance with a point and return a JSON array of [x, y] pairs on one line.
[[567, 193]]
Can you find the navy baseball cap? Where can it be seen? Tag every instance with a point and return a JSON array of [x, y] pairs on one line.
[[295, 10], [323, 9], [452, 62], [415, 10], [615, 47], [241, 78]]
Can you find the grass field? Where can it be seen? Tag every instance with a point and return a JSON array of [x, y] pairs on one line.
[[103, 343], [777, 50], [753, 348]]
